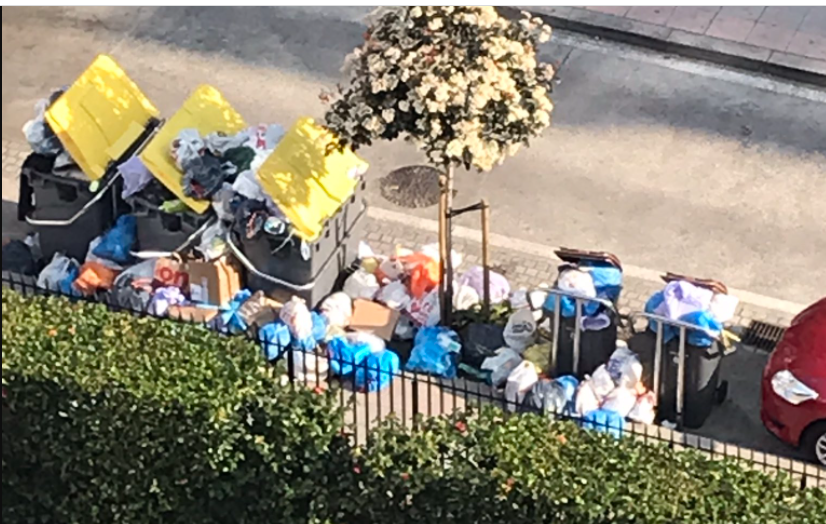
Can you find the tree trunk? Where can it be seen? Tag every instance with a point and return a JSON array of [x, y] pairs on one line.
[[443, 304], [448, 249]]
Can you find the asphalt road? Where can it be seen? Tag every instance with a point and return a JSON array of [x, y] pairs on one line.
[[671, 164]]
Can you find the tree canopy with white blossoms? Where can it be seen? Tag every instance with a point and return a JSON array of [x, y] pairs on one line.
[[463, 83]]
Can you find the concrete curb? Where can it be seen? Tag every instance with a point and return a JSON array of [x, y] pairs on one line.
[[675, 41]]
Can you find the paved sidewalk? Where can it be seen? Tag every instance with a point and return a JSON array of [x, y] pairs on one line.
[[785, 41]]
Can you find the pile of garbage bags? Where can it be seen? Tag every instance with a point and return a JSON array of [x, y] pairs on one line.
[[588, 280], [604, 400], [686, 302], [320, 344]]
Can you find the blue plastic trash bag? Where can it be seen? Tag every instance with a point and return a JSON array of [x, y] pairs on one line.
[[605, 421], [116, 244], [377, 371], [703, 319], [231, 320], [275, 339], [320, 326], [435, 351], [569, 385], [66, 286], [346, 354], [319, 334], [656, 300], [607, 281]]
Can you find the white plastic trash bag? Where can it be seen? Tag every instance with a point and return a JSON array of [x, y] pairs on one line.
[[586, 399], [376, 344], [338, 309], [576, 281], [519, 383], [361, 284], [425, 311], [522, 299], [465, 298], [54, 273], [620, 401], [310, 368], [500, 288], [520, 331], [501, 365], [298, 318], [390, 270], [624, 367], [395, 296], [645, 409], [723, 307], [602, 382]]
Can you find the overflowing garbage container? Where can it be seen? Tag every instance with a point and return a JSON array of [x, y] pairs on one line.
[[683, 346], [70, 186], [582, 307], [320, 221]]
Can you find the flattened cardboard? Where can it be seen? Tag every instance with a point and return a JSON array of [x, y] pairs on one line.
[[214, 283], [374, 318], [259, 310], [199, 315]]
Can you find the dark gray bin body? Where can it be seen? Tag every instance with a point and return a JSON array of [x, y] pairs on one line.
[[702, 377], [60, 198], [160, 231]]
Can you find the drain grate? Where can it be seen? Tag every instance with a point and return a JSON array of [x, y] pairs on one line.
[[763, 336], [412, 187]]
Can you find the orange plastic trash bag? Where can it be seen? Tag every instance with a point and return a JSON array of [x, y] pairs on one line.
[[423, 272], [94, 276]]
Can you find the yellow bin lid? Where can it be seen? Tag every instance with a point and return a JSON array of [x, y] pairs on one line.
[[207, 111], [100, 116], [308, 184]]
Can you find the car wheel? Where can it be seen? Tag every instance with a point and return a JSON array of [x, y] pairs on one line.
[[814, 443]]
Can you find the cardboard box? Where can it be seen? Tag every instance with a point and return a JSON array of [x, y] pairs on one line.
[[214, 283], [259, 310], [170, 272], [374, 318], [198, 315]]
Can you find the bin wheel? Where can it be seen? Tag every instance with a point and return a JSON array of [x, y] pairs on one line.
[[721, 394]]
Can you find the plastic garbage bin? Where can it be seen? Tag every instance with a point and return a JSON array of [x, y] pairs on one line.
[[595, 346], [288, 258], [703, 388], [63, 210], [166, 232], [288, 273]]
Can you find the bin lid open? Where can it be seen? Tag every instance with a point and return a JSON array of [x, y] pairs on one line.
[[207, 111], [100, 116], [307, 183], [707, 283], [577, 256]]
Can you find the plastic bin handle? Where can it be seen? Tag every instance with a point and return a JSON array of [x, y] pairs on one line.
[[269, 278], [143, 255], [82, 211]]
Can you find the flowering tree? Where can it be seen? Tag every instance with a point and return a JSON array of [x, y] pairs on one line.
[[462, 83]]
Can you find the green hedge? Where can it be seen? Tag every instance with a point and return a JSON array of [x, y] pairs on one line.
[[110, 418], [497, 468]]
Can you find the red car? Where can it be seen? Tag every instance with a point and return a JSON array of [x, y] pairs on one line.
[[794, 385]]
